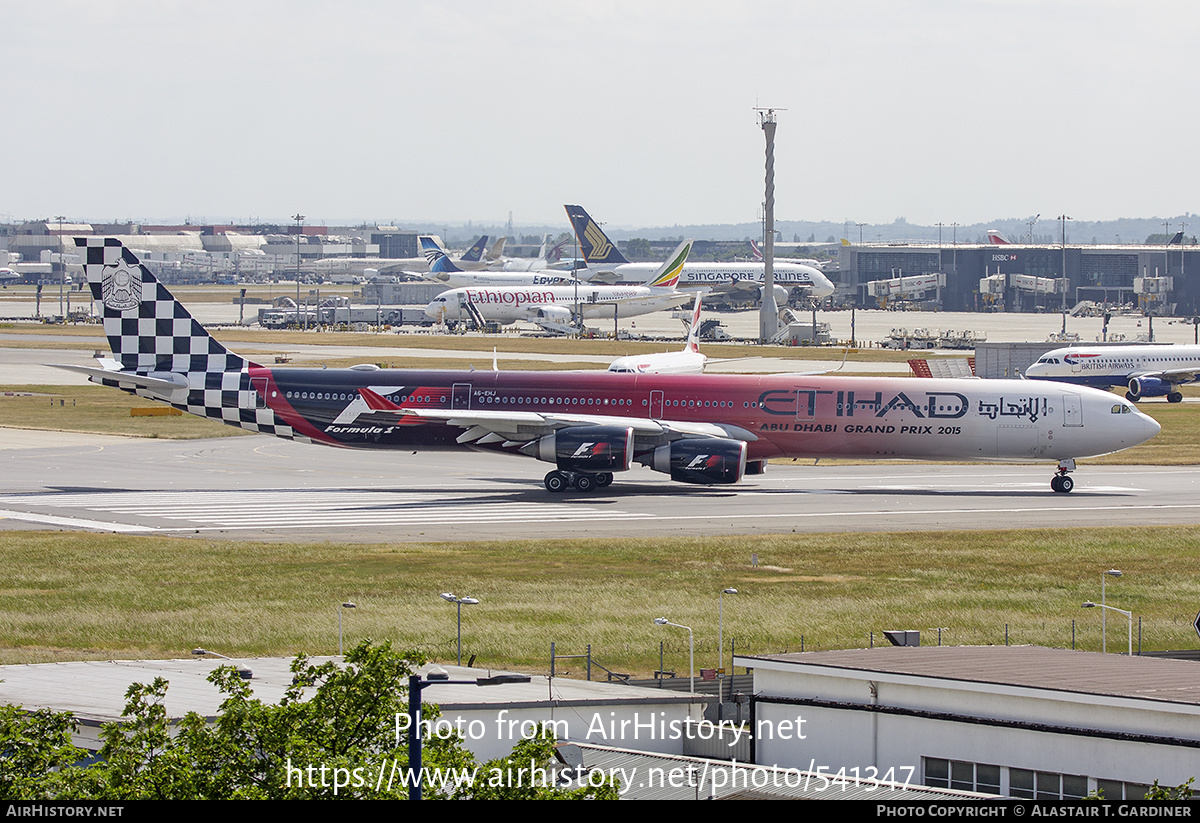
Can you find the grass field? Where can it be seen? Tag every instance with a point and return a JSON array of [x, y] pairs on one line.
[[76, 596]]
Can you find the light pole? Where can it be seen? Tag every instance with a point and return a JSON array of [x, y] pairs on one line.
[[721, 625], [459, 602], [662, 621], [1064, 218], [62, 270], [721, 636], [299, 218], [415, 686], [1103, 600], [347, 605], [1128, 616]]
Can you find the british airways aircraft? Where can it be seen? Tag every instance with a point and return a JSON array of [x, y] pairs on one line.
[[701, 429], [689, 360], [1144, 371]]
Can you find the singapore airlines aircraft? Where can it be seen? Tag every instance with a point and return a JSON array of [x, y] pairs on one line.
[[606, 262], [702, 429], [1145, 371], [551, 307]]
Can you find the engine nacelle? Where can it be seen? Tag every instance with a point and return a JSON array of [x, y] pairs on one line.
[[782, 295], [555, 314], [702, 461], [1140, 387], [587, 448]]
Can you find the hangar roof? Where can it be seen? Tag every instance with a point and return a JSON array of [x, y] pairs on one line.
[[1037, 667]]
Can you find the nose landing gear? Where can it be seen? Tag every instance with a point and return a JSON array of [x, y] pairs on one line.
[[1062, 482]]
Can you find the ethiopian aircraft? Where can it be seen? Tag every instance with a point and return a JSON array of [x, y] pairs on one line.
[[605, 263], [552, 307], [1144, 371], [700, 429]]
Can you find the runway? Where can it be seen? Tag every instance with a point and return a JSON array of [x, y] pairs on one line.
[[260, 488]]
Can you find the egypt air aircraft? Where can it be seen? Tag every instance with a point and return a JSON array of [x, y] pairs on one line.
[[702, 429], [1144, 371], [472, 259], [552, 307], [444, 270], [605, 261]]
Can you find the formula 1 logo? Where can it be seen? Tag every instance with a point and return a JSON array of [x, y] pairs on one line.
[[121, 287], [704, 461], [590, 450], [600, 245]]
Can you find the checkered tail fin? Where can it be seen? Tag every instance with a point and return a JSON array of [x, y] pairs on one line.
[[148, 330]]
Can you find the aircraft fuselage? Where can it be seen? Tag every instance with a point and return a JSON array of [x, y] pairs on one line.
[[787, 416]]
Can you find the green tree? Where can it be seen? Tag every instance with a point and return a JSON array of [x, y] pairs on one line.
[[333, 736], [32, 746]]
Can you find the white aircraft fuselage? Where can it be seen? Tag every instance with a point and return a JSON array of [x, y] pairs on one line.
[[1145, 371]]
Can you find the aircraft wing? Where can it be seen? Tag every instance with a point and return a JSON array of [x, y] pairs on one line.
[[1176, 376], [520, 427]]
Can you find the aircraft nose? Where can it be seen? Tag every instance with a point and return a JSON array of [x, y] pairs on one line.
[[1150, 427]]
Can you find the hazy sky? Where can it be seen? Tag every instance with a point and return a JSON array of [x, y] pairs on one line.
[[643, 111]]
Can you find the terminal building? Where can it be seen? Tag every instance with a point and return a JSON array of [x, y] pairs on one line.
[[1163, 279]]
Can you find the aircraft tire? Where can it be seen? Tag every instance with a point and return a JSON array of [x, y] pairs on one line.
[[604, 479], [1175, 397], [1062, 483], [556, 482], [1131, 397], [585, 483]]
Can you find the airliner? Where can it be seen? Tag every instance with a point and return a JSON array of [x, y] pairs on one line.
[[687, 361], [699, 429], [757, 254], [446, 271], [605, 262], [472, 259], [552, 307], [1144, 371]]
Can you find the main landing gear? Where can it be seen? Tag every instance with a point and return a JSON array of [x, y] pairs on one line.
[[559, 481], [1062, 482]]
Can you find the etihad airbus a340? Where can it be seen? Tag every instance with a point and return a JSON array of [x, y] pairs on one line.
[[702, 429]]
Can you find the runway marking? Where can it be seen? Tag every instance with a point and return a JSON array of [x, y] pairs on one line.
[[296, 509], [72, 522]]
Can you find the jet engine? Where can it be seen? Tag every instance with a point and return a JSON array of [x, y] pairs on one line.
[[555, 314], [782, 295], [1140, 387], [702, 461], [586, 448]]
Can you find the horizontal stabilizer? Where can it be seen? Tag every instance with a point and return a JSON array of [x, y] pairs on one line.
[[167, 385]]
